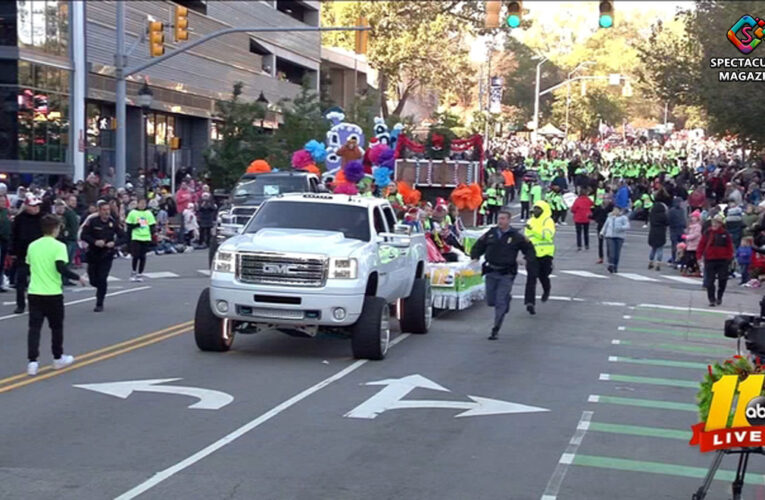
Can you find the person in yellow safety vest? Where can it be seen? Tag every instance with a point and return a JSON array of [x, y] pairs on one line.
[[483, 211], [540, 231], [492, 198]]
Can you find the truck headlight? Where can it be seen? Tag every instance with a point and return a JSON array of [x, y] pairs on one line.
[[224, 262], [343, 268]]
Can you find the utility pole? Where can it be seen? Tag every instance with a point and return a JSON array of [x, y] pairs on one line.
[[122, 71], [536, 101], [568, 89], [488, 98]]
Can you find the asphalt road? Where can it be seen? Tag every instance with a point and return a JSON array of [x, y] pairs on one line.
[[615, 360]]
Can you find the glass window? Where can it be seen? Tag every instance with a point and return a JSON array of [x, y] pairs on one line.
[[42, 24], [390, 217], [38, 24], [150, 129], [379, 222], [24, 26], [26, 78], [25, 135], [352, 221], [170, 128], [161, 126]]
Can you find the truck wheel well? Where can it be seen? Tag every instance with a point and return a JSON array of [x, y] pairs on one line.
[[371, 290], [420, 270]]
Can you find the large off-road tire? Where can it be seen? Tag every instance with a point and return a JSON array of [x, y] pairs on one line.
[[211, 332], [417, 310], [370, 335]]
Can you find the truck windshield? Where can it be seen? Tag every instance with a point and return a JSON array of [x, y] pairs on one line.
[[352, 221], [263, 187]]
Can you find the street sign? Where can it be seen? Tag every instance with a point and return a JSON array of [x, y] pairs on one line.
[[391, 398], [208, 399]]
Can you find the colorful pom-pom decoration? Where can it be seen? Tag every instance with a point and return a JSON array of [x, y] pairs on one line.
[[354, 171], [301, 159], [258, 166]]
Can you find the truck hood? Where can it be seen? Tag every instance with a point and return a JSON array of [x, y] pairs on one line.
[[329, 243]]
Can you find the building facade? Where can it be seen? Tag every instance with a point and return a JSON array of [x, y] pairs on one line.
[[43, 86]]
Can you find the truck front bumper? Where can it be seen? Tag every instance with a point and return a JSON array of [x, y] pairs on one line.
[[279, 307]]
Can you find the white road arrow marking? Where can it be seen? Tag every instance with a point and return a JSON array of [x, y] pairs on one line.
[[208, 399], [390, 398]]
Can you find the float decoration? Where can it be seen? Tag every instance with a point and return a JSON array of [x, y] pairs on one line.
[[467, 197], [258, 166], [411, 196]]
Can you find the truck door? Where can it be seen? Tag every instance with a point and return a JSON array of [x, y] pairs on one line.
[[386, 258], [403, 274]]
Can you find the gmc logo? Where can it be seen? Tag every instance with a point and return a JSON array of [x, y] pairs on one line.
[[276, 268]]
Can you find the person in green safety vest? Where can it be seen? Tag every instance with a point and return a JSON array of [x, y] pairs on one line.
[[536, 193], [540, 231], [525, 197], [494, 202], [483, 212]]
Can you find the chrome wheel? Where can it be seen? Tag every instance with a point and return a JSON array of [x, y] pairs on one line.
[[384, 330]]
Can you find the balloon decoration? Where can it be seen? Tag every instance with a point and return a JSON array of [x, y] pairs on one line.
[[382, 176], [411, 196], [354, 171], [467, 197], [258, 166], [317, 150], [346, 188], [301, 159]]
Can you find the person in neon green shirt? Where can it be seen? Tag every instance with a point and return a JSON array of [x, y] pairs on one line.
[[140, 223], [47, 259]]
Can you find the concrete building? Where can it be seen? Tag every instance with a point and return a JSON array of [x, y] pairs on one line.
[[58, 90], [345, 75]]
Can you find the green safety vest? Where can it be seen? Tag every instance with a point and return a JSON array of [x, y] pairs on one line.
[[536, 193], [647, 201], [491, 196], [525, 191]]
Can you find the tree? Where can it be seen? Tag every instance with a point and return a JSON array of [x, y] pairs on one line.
[[415, 46], [303, 121], [242, 140]]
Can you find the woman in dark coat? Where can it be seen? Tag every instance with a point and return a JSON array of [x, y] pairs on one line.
[[657, 232]]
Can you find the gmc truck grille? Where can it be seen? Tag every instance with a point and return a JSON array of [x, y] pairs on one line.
[[242, 215], [282, 269]]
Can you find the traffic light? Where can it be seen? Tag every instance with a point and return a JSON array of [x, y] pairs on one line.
[[492, 13], [362, 37], [156, 38], [514, 13], [606, 14], [181, 24]]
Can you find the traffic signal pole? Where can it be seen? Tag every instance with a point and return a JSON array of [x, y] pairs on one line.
[[122, 72]]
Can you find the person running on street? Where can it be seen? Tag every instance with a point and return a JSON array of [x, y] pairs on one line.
[[540, 231], [25, 229], [47, 259], [582, 210], [501, 245], [140, 223], [102, 233], [615, 231], [716, 251]]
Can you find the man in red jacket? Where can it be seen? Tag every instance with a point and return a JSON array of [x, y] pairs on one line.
[[582, 210], [716, 250]]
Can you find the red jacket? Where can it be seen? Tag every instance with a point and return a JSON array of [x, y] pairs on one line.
[[582, 209], [715, 244]]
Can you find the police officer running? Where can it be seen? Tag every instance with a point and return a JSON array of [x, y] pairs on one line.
[[501, 245], [540, 230], [101, 232]]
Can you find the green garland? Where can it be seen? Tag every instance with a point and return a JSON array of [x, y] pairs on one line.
[[445, 151], [737, 365]]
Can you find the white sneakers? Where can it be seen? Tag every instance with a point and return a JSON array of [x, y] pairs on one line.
[[62, 362]]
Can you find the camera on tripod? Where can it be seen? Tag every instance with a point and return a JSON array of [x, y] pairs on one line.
[[751, 328]]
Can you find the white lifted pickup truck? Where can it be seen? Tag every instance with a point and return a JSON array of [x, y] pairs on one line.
[[309, 261]]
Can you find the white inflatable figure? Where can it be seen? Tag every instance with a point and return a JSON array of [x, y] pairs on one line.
[[381, 131], [338, 135], [397, 128]]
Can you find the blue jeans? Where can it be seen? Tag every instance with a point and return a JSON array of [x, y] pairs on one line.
[[498, 295], [614, 249], [657, 253]]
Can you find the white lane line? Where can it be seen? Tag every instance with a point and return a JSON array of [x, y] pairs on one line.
[[636, 277], [627, 316], [567, 458], [161, 274], [613, 359], [206, 272], [586, 274], [617, 304], [80, 301], [622, 328], [683, 279], [111, 278], [688, 309], [616, 342], [241, 431]]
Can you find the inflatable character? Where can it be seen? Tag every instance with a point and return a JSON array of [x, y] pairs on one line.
[[338, 135], [381, 131]]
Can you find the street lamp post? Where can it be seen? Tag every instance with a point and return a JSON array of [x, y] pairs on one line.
[[145, 98], [536, 101], [568, 88], [264, 102]]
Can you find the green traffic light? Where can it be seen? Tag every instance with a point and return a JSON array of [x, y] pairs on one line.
[[513, 21], [606, 21]]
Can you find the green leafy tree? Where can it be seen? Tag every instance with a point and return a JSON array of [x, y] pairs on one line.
[[303, 121], [241, 142]]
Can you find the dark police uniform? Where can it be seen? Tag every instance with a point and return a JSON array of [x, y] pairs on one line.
[[501, 250], [100, 258]]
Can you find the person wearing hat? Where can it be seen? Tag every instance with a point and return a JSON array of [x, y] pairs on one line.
[[102, 233], [25, 229], [47, 260], [540, 230], [716, 251]]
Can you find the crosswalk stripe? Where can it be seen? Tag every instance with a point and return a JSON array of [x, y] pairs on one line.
[[160, 274], [669, 382], [586, 274], [660, 468], [694, 349], [658, 362], [643, 403], [636, 277], [683, 279], [676, 333], [638, 430], [112, 278]]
